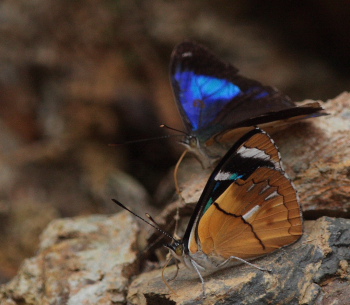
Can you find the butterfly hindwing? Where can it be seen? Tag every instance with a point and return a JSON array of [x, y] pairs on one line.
[[252, 217], [249, 207]]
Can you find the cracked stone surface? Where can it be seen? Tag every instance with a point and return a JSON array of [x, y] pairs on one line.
[[83, 260]]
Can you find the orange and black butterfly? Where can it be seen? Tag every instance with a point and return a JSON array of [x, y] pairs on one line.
[[248, 208]]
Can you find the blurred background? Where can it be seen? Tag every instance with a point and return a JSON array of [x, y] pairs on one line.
[[78, 75]]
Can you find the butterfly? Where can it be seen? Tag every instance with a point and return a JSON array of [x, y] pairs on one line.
[[217, 105], [248, 208]]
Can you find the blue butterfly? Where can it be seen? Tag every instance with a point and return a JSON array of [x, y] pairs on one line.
[[218, 105]]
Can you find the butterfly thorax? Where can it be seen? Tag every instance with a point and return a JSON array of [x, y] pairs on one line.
[[199, 260]]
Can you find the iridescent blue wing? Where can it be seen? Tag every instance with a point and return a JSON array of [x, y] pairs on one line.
[[213, 98]]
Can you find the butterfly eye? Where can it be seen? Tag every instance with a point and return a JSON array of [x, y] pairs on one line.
[[193, 142], [179, 250]]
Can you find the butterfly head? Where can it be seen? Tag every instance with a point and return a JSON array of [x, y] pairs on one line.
[[177, 249], [191, 142]]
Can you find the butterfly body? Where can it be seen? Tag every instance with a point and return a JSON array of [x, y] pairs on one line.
[[218, 105], [248, 208]]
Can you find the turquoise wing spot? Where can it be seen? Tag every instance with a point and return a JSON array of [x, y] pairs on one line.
[[235, 176], [207, 206]]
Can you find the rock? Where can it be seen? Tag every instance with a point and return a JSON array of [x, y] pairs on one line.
[[307, 272], [316, 154], [83, 260]]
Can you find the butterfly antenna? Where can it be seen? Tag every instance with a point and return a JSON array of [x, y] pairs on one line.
[[145, 140], [151, 245], [182, 133], [152, 225], [174, 129], [152, 220]]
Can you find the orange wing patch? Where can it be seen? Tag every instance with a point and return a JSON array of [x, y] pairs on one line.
[[263, 142], [252, 217]]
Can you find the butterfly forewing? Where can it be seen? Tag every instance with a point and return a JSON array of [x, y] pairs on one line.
[[214, 99]]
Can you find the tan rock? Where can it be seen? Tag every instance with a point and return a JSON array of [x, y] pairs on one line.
[[83, 260]]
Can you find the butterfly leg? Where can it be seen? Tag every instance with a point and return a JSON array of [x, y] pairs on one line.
[[177, 218], [176, 273], [163, 276], [243, 261], [195, 266], [177, 187], [176, 169]]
